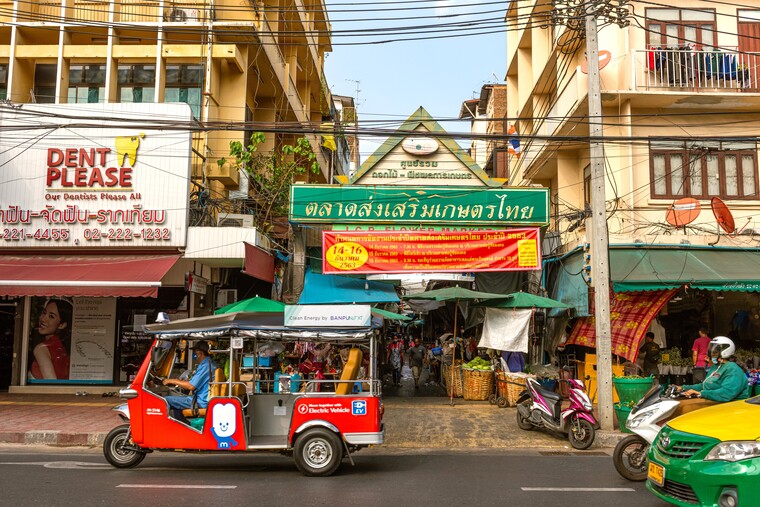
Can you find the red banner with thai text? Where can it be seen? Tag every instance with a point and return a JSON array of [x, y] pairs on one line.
[[630, 316], [367, 252]]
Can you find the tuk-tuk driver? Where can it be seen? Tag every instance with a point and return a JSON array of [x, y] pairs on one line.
[[198, 385]]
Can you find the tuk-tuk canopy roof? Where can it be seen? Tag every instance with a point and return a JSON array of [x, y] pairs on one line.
[[268, 326]]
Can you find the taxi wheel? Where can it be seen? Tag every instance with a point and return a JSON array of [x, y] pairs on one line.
[[114, 451], [318, 452]]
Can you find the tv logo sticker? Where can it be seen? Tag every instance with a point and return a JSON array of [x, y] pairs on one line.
[[359, 407]]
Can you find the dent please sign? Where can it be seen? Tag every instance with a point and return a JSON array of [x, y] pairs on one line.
[[454, 205], [94, 181]]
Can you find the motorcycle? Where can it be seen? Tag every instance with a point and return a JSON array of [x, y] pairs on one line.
[[646, 420], [540, 408]]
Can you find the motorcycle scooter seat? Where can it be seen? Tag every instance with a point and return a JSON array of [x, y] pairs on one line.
[[550, 395]]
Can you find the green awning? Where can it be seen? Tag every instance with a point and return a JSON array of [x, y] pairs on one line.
[[722, 269], [390, 315]]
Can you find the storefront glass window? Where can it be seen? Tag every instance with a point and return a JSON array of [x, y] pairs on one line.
[[44, 83], [184, 83], [137, 83], [87, 84], [3, 82]]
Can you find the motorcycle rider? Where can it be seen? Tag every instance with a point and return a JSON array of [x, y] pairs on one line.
[[725, 380]]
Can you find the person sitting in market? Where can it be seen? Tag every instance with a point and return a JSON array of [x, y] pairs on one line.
[[725, 380], [198, 385], [651, 355]]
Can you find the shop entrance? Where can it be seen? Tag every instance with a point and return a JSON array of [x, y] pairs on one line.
[[7, 332]]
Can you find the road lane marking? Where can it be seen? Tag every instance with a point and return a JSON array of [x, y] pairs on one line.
[[580, 489], [58, 464], [177, 486]]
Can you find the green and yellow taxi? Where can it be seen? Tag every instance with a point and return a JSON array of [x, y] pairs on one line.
[[709, 457]]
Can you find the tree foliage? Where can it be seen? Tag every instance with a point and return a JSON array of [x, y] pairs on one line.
[[271, 175]]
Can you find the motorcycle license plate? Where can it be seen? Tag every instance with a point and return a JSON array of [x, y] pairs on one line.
[[656, 473]]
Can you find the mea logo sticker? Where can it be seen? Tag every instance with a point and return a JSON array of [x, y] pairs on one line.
[[359, 407]]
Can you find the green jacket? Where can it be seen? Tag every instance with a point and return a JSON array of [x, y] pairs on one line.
[[724, 382]]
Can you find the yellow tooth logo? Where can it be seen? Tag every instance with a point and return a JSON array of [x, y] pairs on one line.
[[126, 147]]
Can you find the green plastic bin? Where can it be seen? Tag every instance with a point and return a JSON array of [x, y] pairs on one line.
[[631, 389], [622, 412]]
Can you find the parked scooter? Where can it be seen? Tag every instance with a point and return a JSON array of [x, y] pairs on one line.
[[539, 408], [646, 420]]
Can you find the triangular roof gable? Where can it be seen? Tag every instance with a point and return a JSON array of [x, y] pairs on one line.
[[422, 118]]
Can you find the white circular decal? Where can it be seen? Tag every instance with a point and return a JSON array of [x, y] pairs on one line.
[[302, 409], [420, 145]]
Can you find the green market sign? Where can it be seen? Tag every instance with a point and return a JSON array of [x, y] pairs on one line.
[[398, 204]]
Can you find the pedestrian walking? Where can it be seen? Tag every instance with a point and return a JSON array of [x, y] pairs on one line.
[[699, 356], [417, 358], [394, 358]]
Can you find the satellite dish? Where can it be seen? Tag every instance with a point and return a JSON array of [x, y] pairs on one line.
[[723, 215], [683, 211], [605, 57]]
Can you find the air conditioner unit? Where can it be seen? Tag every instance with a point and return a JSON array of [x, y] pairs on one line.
[[179, 15], [234, 220], [225, 297]]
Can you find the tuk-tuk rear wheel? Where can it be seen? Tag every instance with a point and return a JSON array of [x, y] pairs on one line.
[[114, 448], [318, 452]]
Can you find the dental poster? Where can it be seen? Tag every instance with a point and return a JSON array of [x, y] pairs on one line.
[[71, 340]]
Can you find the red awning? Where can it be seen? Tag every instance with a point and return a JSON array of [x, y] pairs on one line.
[[258, 263], [83, 275]]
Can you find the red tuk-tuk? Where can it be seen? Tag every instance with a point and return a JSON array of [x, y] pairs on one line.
[[250, 408]]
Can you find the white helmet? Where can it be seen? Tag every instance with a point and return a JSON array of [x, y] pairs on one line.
[[722, 347]]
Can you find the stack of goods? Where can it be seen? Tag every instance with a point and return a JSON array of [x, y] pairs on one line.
[[478, 379]]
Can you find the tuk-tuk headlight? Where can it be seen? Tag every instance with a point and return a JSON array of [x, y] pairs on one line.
[[734, 451]]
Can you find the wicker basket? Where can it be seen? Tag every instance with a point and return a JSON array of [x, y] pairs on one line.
[[515, 385], [478, 384], [457, 382]]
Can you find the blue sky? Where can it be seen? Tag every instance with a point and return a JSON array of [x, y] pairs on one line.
[[397, 77]]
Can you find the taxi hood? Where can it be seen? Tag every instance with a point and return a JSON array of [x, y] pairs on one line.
[[736, 420]]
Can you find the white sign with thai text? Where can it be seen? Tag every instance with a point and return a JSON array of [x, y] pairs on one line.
[[94, 175]]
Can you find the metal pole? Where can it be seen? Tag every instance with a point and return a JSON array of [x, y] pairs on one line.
[[600, 246]]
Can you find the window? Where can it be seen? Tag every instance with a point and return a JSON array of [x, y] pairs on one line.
[[703, 169], [87, 84], [587, 185], [3, 82], [137, 83], [44, 83], [184, 83], [674, 28]]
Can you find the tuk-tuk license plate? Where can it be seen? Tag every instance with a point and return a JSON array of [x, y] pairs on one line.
[[656, 473]]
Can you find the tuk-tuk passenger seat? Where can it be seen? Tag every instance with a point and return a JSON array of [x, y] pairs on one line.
[[350, 372], [215, 390]]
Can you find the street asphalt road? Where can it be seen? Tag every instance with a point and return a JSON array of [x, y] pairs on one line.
[[77, 477]]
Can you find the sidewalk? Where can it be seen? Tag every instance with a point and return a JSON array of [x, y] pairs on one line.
[[412, 421]]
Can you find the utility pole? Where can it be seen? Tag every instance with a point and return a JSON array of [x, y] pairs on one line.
[[600, 246], [570, 13]]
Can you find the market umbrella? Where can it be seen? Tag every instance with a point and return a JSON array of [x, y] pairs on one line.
[[455, 294], [390, 315], [523, 300], [255, 304]]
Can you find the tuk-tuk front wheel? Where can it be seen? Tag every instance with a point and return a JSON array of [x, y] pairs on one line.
[[117, 448], [318, 452]]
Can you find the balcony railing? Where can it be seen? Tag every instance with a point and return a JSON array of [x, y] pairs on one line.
[[718, 70]]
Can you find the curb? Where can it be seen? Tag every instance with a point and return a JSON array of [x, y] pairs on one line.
[[65, 439], [53, 438]]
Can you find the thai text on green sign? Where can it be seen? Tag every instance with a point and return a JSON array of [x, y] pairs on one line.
[[397, 204]]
